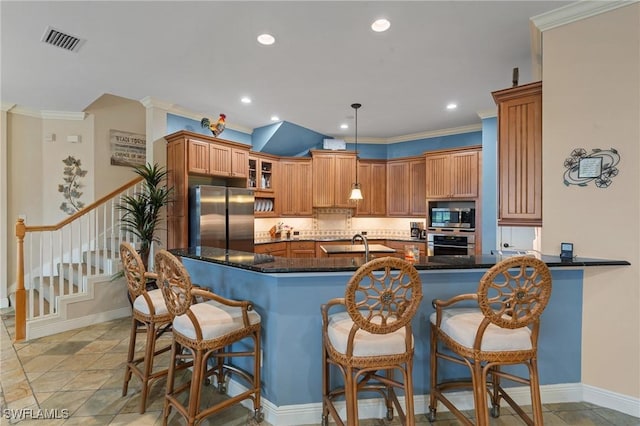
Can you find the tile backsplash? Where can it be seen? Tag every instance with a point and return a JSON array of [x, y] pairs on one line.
[[337, 223]]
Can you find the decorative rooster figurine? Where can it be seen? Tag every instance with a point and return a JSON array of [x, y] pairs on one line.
[[216, 128]]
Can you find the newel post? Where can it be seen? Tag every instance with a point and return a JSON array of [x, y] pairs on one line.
[[21, 300]]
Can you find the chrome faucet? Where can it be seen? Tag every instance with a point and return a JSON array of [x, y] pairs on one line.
[[364, 241]]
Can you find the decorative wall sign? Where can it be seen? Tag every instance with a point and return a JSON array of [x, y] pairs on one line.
[[127, 149], [598, 166]]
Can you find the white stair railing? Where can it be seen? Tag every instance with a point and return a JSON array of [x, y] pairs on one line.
[[56, 260]]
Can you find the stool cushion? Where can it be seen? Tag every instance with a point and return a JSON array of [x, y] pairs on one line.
[[216, 320], [364, 343], [140, 304], [461, 325]]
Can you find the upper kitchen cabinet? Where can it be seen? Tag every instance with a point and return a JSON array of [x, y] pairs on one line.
[[406, 187], [202, 158], [294, 192], [215, 157], [372, 176], [520, 155], [453, 174], [262, 178], [333, 175], [262, 169]]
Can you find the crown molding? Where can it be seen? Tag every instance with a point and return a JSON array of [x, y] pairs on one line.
[[151, 102], [7, 106], [417, 136], [436, 133], [561, 16], [488, 113], [47, 114], [575, 12]]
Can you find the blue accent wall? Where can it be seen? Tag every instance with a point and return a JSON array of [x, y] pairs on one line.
[[289, 140], [419, 146], [369, 151], [489, 223], [176, 123]]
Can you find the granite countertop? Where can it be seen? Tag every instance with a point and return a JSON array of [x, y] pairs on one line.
[[272, 264], [356, 248]]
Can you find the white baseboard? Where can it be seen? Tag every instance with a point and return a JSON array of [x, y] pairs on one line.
[[4, 302], [52, 325], [292, 415], [615, 401]]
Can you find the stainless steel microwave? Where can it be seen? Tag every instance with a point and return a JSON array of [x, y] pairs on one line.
[[446, 217]]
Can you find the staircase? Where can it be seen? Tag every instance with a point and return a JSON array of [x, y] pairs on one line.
[[66, 272], [78, 296]]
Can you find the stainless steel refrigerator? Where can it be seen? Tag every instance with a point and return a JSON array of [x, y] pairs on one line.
[[221, 217]]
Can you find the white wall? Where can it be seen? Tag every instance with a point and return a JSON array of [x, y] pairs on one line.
[[53, 154], [113, 113], [24, 179], [591, 99]]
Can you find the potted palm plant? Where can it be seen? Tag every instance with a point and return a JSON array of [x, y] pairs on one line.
[[142, 209]]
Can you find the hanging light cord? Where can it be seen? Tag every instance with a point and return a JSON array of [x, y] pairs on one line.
[[356, 106]]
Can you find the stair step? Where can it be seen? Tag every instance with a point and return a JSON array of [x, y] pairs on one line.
[[73, 271], [36, 306], [46, 284], [107, 259]]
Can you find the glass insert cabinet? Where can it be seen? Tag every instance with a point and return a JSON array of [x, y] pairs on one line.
[[261, 178]]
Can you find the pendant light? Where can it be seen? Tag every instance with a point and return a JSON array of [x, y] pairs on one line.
[[356, 193]]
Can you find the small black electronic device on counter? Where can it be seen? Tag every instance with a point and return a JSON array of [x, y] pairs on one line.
[[566, 251]]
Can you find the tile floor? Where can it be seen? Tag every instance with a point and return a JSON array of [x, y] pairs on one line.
[[81, 371]]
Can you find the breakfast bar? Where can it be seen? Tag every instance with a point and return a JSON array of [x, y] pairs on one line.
[[288, 293]]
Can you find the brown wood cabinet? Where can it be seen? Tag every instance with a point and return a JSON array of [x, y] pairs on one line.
[[273, 249], [520, 155], [217, 158], [302, 249], [397, 191], [333, 175], [406, 187], [177, 179], [262, 178], [206, 160], [372, 176], [453, 174], [295, 187]]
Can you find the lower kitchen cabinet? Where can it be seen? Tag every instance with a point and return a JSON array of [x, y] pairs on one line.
[[273, 249], [302, 249]]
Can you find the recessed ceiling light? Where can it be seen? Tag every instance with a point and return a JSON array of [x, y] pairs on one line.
[[452, 106], [344, 126], [266, 39], [380, 25], [245, 100], [275, 118]]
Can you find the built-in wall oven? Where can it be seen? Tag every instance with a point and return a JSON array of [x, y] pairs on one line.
[[450, 243]]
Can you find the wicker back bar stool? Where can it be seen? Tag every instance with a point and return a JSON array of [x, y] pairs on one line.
[[204, 332], [367, 337], [149, 316], [500, 329]]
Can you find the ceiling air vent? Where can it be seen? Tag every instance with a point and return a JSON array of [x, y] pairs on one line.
[[59, 39]]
